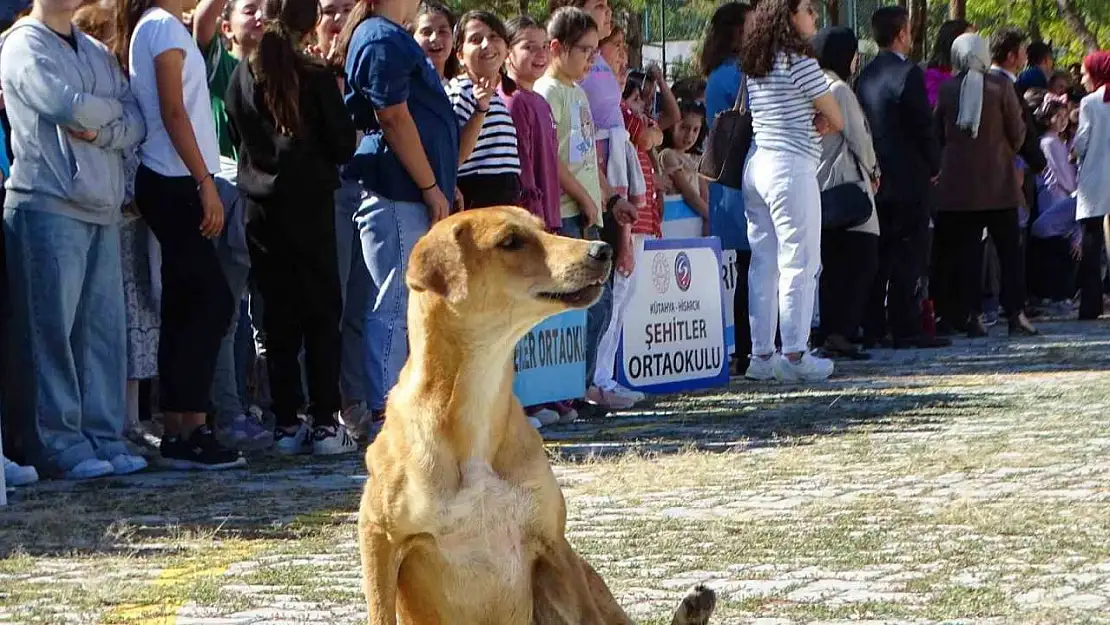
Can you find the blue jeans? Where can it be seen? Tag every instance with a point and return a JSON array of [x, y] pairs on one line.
[[68, 344], [226, 395], [388, 230], [597, 317], [357, 291]]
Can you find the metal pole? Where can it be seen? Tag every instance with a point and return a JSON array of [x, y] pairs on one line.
[[663, 33]]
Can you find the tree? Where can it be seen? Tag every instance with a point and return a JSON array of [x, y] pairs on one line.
[[919, 23], [1076, 22], [957, 9]]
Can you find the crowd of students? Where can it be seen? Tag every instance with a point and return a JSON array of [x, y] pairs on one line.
[[194, 191]]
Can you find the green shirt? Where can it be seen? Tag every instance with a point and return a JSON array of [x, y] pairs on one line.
[[220, 64]]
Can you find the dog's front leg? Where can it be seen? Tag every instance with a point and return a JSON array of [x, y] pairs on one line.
[[380, 567]]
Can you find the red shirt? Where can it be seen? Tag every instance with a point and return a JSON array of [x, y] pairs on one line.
[[649, 219]]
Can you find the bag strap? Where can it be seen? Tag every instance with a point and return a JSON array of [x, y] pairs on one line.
[[741, 104]]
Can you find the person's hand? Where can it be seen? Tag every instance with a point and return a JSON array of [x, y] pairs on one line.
[[626, 259], [213, 222], [654, 73], [821, 124], [624, 212], [876, 182], [935, 180], [438, 208], [459, 199], [591, 213], [316, 51], [1077, 250], [483, 92], [82, 135], [705, 231]]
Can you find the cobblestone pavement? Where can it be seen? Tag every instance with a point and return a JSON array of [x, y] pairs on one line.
[[966, 485]]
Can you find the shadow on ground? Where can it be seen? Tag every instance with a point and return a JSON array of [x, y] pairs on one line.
[[278, 499]]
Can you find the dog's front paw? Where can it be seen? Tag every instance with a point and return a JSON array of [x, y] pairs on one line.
[[696, 607]]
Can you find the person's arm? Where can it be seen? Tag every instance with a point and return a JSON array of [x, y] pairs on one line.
[[575, 190], [1082, 139], [677, 174], [471, 113], [670, 115], [339, 135], [810, 80], [33, 72], [206, 22], [168, 67], [1013, 123], [129, 129], [531, 195], [855, 130], [917, 118]]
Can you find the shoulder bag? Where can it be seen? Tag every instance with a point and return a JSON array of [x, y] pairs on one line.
[[846, 205], [726, 146]]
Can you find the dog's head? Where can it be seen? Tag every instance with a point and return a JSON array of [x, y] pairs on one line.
[[500, 261]]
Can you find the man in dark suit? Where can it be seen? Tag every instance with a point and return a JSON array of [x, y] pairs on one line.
[[1008, 56], [891, 90]]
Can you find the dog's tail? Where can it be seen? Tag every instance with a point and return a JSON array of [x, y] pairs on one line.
[[696, 607]]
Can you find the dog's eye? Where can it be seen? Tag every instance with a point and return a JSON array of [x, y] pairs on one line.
[[511, 242]]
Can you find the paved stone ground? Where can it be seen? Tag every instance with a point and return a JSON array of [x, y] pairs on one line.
[[967, 485]]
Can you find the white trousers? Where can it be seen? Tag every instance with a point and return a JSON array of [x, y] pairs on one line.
[[606, 368], [783, 204]]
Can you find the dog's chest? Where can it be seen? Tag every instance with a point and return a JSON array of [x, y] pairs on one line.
[[483, 529]]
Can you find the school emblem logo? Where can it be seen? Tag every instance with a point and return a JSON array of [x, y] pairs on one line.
[[660, 273], [683, 273]]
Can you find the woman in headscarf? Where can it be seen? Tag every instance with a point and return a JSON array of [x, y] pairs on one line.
[[981, 127], [1092, 148], [849, 258]]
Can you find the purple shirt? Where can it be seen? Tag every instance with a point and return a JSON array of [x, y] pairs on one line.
[[538, 146], [604, 94], [1060, 175]]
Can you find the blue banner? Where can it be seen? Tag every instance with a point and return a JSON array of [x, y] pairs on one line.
[[550, 361]]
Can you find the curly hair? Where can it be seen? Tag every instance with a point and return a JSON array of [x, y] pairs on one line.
[[768, 31]]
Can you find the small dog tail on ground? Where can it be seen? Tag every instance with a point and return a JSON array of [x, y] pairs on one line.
[[696, 607]]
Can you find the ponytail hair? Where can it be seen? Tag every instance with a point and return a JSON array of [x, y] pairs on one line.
[[277, 63], [128, 13]]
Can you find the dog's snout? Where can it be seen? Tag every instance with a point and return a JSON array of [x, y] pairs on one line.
[[599, 250]]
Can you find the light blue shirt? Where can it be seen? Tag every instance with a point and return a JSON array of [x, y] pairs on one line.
[[726, 205]]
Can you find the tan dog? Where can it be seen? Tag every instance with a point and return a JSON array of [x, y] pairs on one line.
[[462, 521]]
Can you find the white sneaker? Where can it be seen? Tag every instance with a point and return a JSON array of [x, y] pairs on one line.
[[534, 422], [608, 399], [18, 475], [332, 440], [808, 368], [634, 396], [292, 444], [89, 469], [125, 464], [546, 417], [762, 369]]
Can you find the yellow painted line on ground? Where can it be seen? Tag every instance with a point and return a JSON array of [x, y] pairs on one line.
[[166, 613]]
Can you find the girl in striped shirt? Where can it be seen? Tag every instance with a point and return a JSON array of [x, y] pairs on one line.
[[791, 107], [489, 161]]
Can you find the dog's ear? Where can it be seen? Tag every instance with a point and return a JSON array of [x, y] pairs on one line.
[[437, 265]]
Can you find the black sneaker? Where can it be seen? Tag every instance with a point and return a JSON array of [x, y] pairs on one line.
[[201, 451]]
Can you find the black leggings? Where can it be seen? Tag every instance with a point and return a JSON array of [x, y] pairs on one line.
[[196, 302], [294, 261]]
